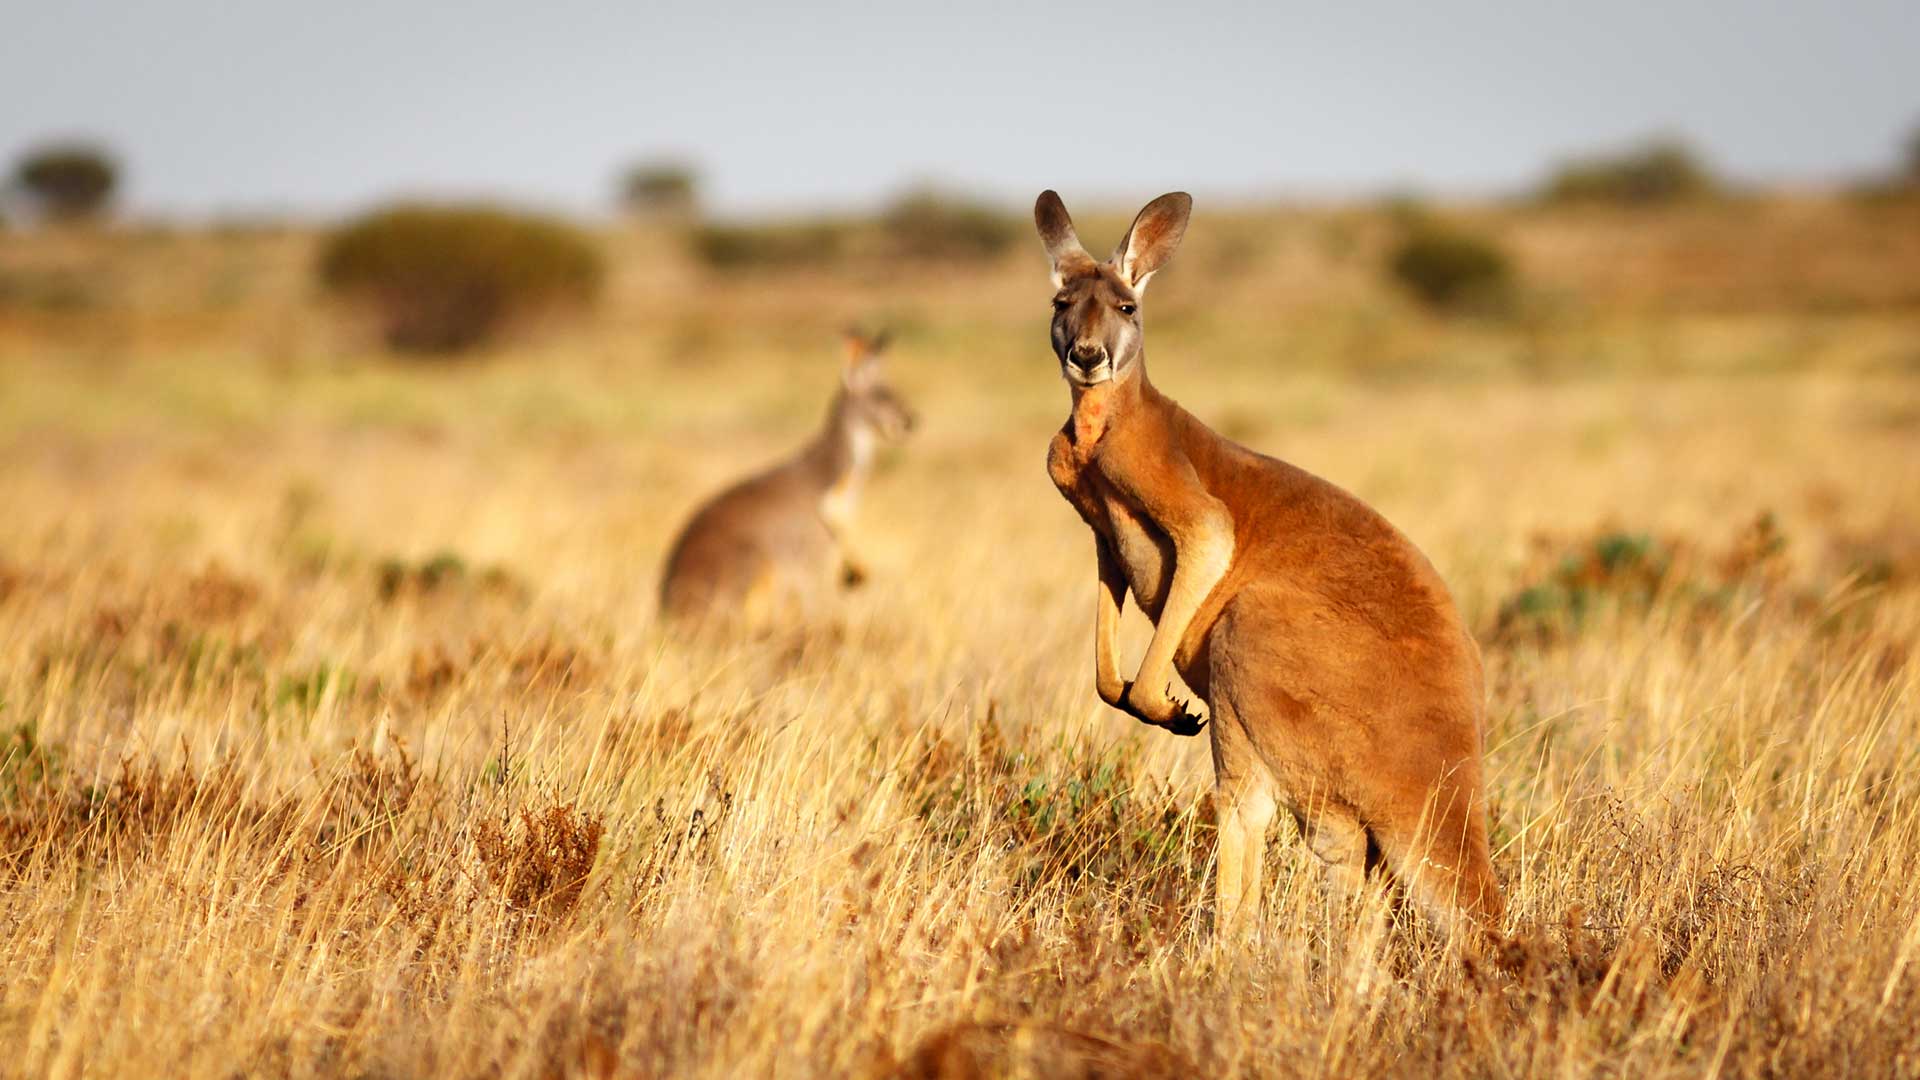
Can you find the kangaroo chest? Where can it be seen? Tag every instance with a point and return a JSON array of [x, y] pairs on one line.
[[1143, 548]]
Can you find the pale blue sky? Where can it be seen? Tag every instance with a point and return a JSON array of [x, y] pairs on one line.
[[270, 105]]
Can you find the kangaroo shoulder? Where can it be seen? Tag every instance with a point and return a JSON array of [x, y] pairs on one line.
[[1063, 467]]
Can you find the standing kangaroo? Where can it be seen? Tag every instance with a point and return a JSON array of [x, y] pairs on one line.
[[1341, 681], [771, 544]]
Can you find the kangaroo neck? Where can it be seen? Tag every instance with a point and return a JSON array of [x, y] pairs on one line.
[[843, 451], [1099, 408]]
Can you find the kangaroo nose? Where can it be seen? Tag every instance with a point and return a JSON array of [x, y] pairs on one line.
[[1088, 354]]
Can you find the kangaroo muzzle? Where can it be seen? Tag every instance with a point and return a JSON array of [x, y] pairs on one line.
[[1086, 359]]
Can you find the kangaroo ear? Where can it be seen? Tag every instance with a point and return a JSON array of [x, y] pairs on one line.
[[1056, 232], [863, 355], [1150, 242]]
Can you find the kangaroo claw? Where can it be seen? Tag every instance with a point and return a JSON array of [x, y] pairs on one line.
[[1187, 724], [1184, 723]]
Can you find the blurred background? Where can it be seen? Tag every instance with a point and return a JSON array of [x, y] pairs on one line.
[[463, 238], [568, 270], [359, 361]]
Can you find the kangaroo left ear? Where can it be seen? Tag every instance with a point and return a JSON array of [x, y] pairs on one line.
[[1152, 238], [1056, 233]]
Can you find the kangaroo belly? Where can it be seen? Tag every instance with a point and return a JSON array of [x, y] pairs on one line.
[[1147, 555]]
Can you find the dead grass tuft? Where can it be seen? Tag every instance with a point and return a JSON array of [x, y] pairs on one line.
[[538, 863]]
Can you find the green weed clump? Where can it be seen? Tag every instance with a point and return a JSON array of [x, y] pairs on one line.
[[1633, 573]]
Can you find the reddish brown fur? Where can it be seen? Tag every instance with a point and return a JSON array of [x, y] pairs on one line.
[[1341, 679]]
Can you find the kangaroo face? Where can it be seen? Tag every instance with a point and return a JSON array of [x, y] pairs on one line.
[[1096, 325], [1096, 305], [871, 402]]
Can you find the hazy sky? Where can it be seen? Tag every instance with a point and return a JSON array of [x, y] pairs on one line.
[[269, 105]]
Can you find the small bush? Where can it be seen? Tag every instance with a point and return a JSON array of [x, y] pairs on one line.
[[772, 247], [447, 278], [68, 182], [661, 189], [1451, 270], [1656, 173], [1912, 171], [540, 864], [930, 225]]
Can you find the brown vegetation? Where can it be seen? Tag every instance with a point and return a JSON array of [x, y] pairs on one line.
[[269, 808]]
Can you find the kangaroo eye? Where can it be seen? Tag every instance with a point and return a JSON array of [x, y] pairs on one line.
[[1059, 303], [1128, 309]]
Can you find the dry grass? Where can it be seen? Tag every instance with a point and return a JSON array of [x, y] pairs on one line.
[[338, 739]]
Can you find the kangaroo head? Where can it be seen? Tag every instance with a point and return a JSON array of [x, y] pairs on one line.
[[1097, 332], [868, 402]]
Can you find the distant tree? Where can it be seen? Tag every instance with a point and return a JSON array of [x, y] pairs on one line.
[[1661, 171], [67, 181], [661, 189], [446, 278], [1913, 158]]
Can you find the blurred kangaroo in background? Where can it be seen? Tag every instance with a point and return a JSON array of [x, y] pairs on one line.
[[1341, 680], [773, 543]]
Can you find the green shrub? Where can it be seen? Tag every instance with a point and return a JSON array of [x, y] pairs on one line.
[[774, 246], [1633, 573], [1452, 270], [1657, 172], [1626, 570], [69, 181], [661, 189], [446, 278], [929, 225]]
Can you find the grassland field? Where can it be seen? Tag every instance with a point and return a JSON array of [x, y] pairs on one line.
[[337, 737]]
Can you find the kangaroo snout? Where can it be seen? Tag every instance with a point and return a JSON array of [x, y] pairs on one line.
[[1087, 354]]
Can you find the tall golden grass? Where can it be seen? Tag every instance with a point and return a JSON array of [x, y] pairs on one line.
[[338, 738]]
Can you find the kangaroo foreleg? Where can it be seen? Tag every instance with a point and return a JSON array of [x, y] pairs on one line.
[[1106, 624], [1202, 535]]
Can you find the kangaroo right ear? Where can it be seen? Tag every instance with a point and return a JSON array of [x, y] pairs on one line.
[[1151, 240], [1056, 232]]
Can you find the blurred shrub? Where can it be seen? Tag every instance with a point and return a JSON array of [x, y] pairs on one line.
[[927, 224], [772, 246], [69, 181], [1452, 270], [661, 189], [1617, 568], [446, 278], [54, 291], [1663, 171], [1633, 573], [1912, 171], [920, 226]]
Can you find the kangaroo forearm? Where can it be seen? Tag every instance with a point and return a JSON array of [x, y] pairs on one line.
[[1106, 626], [1199, 565]]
